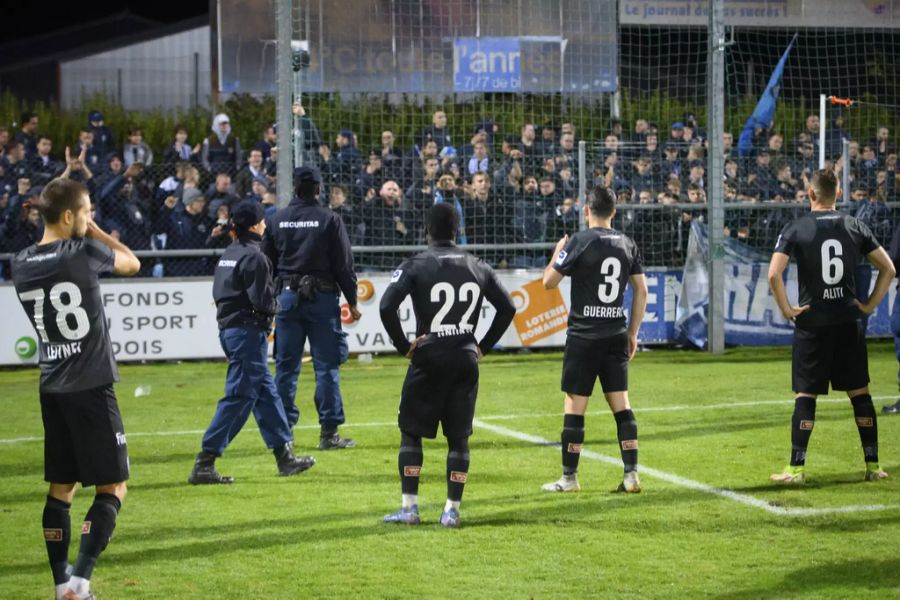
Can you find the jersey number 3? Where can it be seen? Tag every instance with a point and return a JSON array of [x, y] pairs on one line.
[[832, 264], [468, 292], [63, 311], [608, 290]]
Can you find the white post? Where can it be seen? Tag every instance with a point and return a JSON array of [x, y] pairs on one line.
[[822, 117]]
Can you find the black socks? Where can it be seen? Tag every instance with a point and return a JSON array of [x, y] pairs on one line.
[[626, 429], [801, 428], [57, 533], [572, 438], [410, 462], [96, 531], [867, 423], [457, 467]]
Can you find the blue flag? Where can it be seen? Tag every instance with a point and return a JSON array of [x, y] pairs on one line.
[[764, 114]]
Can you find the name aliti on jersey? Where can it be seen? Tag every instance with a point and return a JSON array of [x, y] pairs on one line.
[[833, 293]]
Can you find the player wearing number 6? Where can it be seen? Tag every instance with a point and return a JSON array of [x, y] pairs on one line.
[[601, 261], [829, 337], [84, 441], [447, 286]]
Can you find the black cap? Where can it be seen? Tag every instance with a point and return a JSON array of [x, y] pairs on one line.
[[307, 175], [247, 214]]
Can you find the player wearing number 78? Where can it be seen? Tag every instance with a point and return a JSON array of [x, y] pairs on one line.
[[447, 286], [84, 440], [600, 261], [829, 342]]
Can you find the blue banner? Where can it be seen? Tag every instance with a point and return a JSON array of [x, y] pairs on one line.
[[764, 114]]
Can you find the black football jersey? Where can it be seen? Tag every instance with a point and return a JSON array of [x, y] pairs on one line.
[[447, 286], [58, 287], [827, 246], [599, 261]]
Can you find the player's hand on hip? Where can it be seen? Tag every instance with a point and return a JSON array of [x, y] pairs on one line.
[[792, 313], [354, 313], [632, 346], [864, 308], [414, 345], [478, 352]]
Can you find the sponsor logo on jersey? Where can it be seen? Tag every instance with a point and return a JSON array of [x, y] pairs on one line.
[[864, 421], [458, 476], [629, 444], [85, 528], [411, 471], [807, 425], [395, 276], [574, 448], [562, 257], [41, 257], [451, 256], [227, 263], [53, 535], [26, 347], [298, 224], [120, 438]]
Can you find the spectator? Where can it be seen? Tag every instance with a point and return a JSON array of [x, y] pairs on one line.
[[835, 134], [347, 157], [28, 134], [77, 168], [805, 163], [676, 137], [867, 167], [392, 158], [337, 201], [93, 158], [529, 223], [695, 175], [370, 177], [43, 168], [727, 144], [447, 191], [113, 167], [761, 180], [420, 195], [174, 184], [776, 144], [786, 185], [14, 165], [221, 192], [437, 131], [644, 178], [136, 150], [4, 142], [268, 141], [548, 138], [254, 169], [671, 164], [531, 150], [480, 161], [387, 223], [309, 134], [565, 219], [486, 216], [186, 226], [882, 144], [812, 130], [221, 152], [125, 200], [24, 228], [219, 234], [180, 149], [104, 140]]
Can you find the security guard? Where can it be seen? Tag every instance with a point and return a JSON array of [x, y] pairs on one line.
[[245, 299], [310, 250]]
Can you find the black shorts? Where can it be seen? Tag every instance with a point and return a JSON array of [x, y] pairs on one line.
[[84, 439], [441, 386], [585, 360], [836, 353]]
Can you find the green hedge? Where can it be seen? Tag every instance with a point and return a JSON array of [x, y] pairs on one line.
[[369, 115]]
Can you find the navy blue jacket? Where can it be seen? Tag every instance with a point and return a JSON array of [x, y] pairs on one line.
[[306, 238], [243, 287]]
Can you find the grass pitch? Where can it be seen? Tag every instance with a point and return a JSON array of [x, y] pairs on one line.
[[720, 421]]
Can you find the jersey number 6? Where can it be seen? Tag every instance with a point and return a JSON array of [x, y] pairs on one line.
[[832, 265]]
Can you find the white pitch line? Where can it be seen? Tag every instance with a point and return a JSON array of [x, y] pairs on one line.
[[511, 417], [690, 483]]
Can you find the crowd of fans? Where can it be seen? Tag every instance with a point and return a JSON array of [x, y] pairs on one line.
[[509, 187]]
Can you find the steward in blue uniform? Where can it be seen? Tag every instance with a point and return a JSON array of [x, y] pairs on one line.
[[310, 251], [245, 300]]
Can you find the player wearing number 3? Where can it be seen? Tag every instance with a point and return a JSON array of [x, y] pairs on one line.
[[447, 286], [601, 261], [829, 338], [84, 440]]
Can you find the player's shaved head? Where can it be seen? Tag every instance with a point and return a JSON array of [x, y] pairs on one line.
[[602, 202], [824, 184], [59, 196], [443, 222]]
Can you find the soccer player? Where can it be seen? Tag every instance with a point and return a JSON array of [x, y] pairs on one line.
[[447, 287], [84, 440], [829, 339], [894, 253], [601, 262]]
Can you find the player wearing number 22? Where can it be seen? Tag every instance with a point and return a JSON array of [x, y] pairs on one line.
[[829, 338], [600, 343], [447, 286], [84, 440]]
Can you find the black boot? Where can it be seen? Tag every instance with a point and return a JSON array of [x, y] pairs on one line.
[[891, 409], [330, 440], [288, 464], [205, 471]]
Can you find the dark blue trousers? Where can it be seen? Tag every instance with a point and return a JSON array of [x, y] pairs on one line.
[[318, 321], [248, 387]]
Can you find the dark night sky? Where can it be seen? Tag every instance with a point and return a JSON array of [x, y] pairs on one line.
[[22, 19]]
